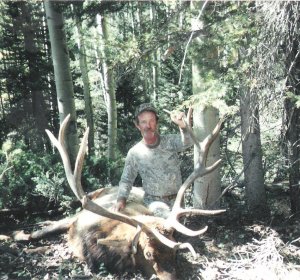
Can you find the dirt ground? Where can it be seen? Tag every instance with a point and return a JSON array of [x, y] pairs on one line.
[[234, 247]]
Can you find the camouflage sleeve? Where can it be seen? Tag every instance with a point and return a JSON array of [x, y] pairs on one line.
[[129, 174], [182, 141], [178, 142]]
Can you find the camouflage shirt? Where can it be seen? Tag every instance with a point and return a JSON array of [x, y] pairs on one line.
[[159, 167]]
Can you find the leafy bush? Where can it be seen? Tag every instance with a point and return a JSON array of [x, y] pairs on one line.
[[52, 186], [28, 176], [100, 172]]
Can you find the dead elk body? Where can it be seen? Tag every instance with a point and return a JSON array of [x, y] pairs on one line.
[[97, 239], [134, 239]]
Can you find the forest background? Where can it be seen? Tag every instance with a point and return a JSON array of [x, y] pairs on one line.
[[97, 60]]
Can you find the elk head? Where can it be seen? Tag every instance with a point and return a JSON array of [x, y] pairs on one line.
[[136, 238]]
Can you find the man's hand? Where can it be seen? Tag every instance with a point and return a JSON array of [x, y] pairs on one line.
[[121, 203], [178, 118]]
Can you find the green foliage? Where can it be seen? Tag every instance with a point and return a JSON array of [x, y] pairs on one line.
[[213, 93], [30, 176], [223, 56], [51, 186], [295, 98], [99, 172]]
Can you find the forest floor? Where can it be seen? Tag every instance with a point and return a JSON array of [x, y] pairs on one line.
[[234, 247]]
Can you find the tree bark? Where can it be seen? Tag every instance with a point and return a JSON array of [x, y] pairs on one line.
[[252, 155], [207, 189], [62, 73], [292, 123], [109, 90], [292, 112], [85, 79]]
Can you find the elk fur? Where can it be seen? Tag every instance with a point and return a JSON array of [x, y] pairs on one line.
[[96, 239]]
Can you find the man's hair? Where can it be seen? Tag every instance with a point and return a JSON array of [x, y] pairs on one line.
[[145, 107]]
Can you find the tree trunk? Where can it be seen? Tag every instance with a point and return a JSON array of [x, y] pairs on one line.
[[109, 91], [292, 112], [207, 189], [62, 73], [252, 155], [292, 123], [155, 62], [85, 79]]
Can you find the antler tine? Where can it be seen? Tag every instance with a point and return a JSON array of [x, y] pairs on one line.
[[79, 164], [200, 170], [205, 144], [193, 136], [60, 145], [189, 116], [61, 133], [188, 123], [174, 223], [172, 244]]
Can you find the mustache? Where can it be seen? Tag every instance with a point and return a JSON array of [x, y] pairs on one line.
[[150, 130], [147, 131]]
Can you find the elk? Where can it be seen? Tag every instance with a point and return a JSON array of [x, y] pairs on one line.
[[133, 239]]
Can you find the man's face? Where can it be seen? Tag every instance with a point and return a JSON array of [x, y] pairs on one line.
[[147, 124]]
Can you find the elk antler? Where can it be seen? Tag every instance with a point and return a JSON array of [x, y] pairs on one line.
[[200, 170], [75, 184]]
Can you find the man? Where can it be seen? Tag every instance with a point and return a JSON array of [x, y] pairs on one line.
[[155, 158]]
